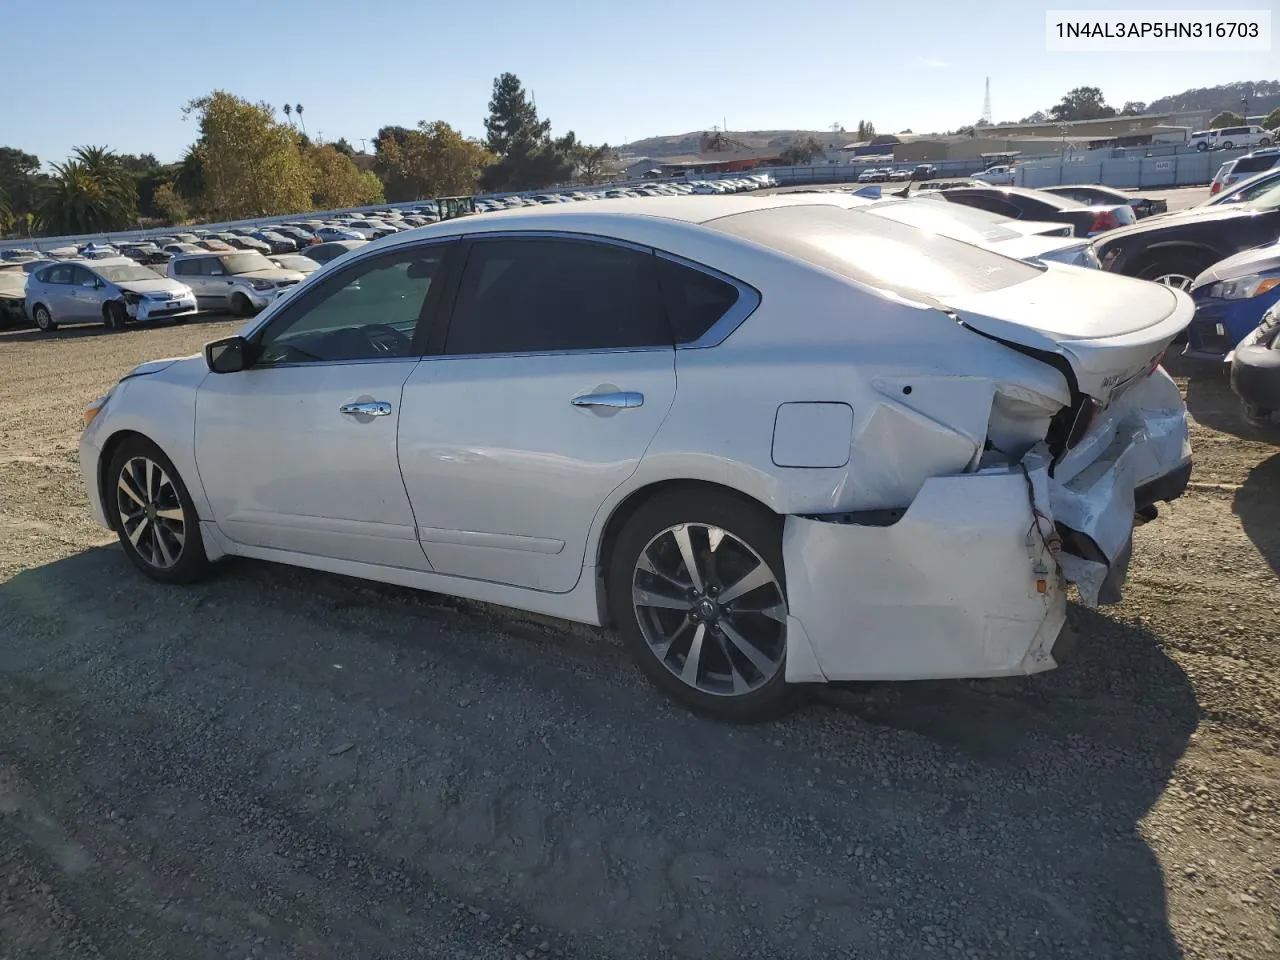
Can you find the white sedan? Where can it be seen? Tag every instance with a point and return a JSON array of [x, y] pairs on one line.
[[774, 440]]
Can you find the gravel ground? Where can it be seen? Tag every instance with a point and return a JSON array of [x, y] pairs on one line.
[[281, 763]]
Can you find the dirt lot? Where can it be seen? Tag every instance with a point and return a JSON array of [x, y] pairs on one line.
[[287, 764]]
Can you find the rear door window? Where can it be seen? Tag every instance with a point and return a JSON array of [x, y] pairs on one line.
[[550, 295], [694, 300]]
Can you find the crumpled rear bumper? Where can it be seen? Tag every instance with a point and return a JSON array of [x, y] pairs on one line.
[[970, 579]]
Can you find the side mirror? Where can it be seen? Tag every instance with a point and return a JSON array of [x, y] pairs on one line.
[[227, 356]]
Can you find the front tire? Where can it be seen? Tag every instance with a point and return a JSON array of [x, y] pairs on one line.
[[152, 513], [114, 316], [697, 589], [1177, 270], [43, 318], [1228, 146], [240, 305]]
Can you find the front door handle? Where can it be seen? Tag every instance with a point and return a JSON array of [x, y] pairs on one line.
[[622, 398], [369, 408]]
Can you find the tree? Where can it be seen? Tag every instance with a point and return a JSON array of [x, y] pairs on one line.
[[20, 181], [593, 163], [344, 147], [1272, 120], [1226, 119], [298, 110], [169, 205], [288, 113], [1082, 103], [434, 160], [337, 182], [527, 157], [512, 118], [86, 197], [189, 178], [866, 131], [803, 152], [1132, 107], [252, 165], [1038, 117]]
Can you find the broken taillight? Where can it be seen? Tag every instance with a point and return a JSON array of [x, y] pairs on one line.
[[1104, 220], [1085, 418]]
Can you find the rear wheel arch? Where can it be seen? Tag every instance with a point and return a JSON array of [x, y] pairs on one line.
[[628, 507]]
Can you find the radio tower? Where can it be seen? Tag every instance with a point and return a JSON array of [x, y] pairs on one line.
[[986, 105]]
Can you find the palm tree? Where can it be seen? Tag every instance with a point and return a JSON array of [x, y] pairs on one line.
[[85, 199], [298, 111], [6, 214], [288, 111]]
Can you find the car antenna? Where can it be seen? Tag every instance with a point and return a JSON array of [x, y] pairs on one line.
[[906, 191]]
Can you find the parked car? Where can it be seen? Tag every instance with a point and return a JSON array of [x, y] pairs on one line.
[[240, 242], [1244, 190], [332, 249], [13, 293], [1233, 138], [19, 254], [242, 282], [110, 292], [1176, 248], [301, 236], [989, 230], [900, 175], [944, 184], [213, 245], [182, 247], [1001, 174], [649, 501], [1199, 139], [1255, 371], [145, 253], [1231, 297], [1092, 195], [276, 242], [328, 233], [924, 171], [295, 261], [1019, 203], [1241, 168]]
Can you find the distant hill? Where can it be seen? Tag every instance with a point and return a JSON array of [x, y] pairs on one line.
[[681, 144], [1264, 96]]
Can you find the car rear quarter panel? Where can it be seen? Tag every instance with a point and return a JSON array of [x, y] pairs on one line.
[[919, 385]]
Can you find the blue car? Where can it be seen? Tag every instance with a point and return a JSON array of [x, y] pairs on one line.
[[1231, 297]]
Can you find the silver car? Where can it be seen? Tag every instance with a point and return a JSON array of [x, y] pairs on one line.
[[110, 292], [242, 282]]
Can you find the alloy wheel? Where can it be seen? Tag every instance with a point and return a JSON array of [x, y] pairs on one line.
[[151, 512], [1179, 281], [710, 609]]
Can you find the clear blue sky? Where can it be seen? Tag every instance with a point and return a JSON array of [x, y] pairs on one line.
[[117, 72]]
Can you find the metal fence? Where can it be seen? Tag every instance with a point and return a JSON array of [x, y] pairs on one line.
[[1134, 171]]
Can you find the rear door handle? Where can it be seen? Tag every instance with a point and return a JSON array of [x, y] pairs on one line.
[[622, 398], [370, 408]]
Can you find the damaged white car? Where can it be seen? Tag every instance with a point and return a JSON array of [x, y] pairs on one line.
[[773, 440]]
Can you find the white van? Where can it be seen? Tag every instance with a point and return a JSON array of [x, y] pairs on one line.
[[1230, 138], [1002, 174]]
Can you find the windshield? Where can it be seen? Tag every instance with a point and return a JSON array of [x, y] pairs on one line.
[[124, 272], [248, 262], [949, 219], [1269, 200], [878, 252]]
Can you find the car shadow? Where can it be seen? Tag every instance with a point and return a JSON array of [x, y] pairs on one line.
[[1209, 397], [30, 333], [421, 735], [1084, 751], [1257, 504]]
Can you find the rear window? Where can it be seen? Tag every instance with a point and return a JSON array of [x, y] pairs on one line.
[[1255, 164], [949, 219], [878, 252]]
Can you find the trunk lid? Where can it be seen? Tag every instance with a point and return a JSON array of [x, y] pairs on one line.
[[1111, 329]]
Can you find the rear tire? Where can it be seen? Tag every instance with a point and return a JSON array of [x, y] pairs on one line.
[[43, 319], [152, 513], [721, 658], [1264, 142], [1228, 146]]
